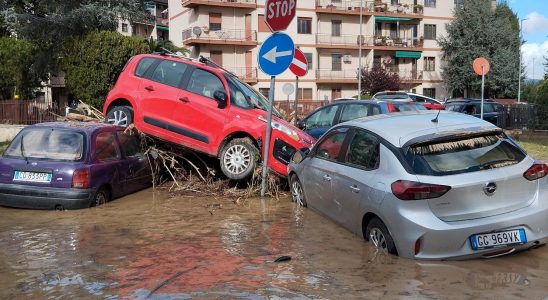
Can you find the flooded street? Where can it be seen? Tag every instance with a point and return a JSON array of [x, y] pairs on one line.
[[149, 245]]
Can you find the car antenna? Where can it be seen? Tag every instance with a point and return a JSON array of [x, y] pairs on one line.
[[435, 120]]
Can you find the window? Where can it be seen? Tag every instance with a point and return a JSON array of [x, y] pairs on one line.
[[124, 27], [304, 25], [429, 63], [169, 72], [216, 56], [336, 62], [264, 91], [330, 148], [204, 83], [429, 3], [262, 24], [130, 144], [106, 147], [304, 94], [143, 66], [215, 20], [429, 31], [394, 2], [393, 30], [336, 27], [353, 111], [322, 118], [430, 92], [459, 3], [47, 144], [364, 151], [308, 57]]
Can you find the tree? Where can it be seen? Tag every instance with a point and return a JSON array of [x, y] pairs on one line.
[[16, 68], [49, 23], [159, 45], [378, 79], [93, 62], [478, 30]]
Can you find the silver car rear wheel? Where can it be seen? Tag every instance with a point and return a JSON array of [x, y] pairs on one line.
[[377, 233], [297, 191]]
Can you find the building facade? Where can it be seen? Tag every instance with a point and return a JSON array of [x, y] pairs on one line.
[[398, 34], [158, 29]]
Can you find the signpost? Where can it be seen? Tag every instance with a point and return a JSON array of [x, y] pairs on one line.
[[299, 67], [481, 67], [288, 89], [275, 56]]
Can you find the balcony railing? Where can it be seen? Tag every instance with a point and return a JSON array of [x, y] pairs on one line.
[[344, 40], [369, 7], [222, 3], [233, 36], [398, 42], [329, 74], [248, 74], [162, 21]]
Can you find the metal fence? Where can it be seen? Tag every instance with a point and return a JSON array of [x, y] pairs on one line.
[[22, 112], [520, 116], [305, 107]]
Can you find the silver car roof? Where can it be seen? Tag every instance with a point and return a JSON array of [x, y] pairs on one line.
[[400, 128]]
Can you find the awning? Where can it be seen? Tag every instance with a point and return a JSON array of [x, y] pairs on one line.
[[381, 18], [162, 27], [409, 54]]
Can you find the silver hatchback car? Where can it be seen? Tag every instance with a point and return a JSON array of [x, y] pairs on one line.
[[426, 185]]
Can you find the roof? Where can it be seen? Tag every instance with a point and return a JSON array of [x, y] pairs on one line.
[[399, 128], [85, 126]]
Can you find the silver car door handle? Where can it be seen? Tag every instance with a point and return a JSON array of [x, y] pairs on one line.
[[326, 178], [355, 189]]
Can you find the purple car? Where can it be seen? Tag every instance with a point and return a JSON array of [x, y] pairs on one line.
[[71, 165]]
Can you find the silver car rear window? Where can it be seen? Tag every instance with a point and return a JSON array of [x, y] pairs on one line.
[[47, 144], [463, 155]]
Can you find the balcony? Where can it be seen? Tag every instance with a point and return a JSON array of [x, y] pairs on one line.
[[397, 43], [162, 21], [406, 75], [221, 3], [340, 76], [201, 35], [246, 74], [370, 8]]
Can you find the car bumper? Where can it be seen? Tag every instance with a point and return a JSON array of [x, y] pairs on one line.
[[451, 240], [24, 196], [281, 151]]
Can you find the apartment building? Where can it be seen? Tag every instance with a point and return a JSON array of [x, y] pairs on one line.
[[158, 29], [400, 35]]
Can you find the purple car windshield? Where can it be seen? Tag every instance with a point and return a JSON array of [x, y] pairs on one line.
[[47, 144]]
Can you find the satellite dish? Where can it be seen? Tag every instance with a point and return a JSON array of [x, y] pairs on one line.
[[197, 30], [386, 60]]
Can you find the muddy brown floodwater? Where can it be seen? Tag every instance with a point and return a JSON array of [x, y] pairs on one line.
[[149, 245]]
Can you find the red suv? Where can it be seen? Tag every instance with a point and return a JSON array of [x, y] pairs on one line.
[[201, 106]]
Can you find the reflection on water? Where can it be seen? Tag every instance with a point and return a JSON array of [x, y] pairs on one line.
[[149, 245]]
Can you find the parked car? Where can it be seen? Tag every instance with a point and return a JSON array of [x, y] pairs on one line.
[[320, 120], [70, 165], [491, 109], [426, 185], [428, 102], [198, 105]]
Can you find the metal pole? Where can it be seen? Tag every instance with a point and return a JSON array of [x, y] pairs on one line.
[[296, 99], [360, 54], [268, 131], [482, 87]]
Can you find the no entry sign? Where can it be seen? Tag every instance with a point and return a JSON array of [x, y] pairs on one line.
[[279, 14], [299, 65]]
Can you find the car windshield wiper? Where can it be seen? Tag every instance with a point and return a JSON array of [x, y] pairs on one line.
[[495, 163], [23, 149]]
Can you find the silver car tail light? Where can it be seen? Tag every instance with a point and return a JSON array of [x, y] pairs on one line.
[[412, 190], [536, 171]]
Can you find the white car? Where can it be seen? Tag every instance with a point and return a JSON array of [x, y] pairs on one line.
[[426, 185]]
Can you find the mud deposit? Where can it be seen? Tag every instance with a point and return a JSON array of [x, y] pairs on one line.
[[149, 245]]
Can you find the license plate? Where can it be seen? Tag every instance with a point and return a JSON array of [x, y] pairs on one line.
[[32, 176], [498, 239]]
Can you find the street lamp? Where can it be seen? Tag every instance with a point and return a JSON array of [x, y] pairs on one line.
[[519, 71], [360, 53]]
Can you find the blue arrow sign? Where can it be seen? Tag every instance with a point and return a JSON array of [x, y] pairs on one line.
[[276, 54]]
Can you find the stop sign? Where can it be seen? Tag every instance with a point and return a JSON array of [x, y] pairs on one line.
[[279, 13]]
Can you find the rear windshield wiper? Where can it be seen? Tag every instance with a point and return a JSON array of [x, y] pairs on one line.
[[495, 163]]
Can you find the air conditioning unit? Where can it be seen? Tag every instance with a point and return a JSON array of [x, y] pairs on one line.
[[347, 58]]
